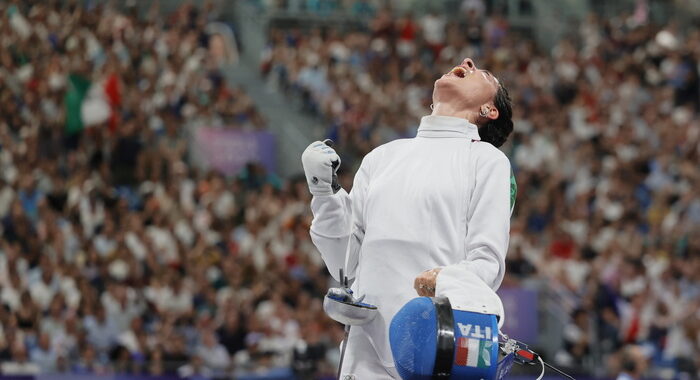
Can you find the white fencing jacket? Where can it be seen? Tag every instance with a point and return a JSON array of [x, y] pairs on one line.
[[441, 199]]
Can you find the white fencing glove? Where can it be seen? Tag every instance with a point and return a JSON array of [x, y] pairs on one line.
[[320, 163]]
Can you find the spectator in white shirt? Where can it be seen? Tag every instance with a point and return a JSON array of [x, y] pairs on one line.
[[19, 365], [43, 290], [215, 356], [43, 354], [101, 332]]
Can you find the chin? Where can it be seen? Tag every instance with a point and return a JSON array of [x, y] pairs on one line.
[[446, 88]]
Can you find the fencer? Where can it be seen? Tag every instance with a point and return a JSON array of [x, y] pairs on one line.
[[423, 212]]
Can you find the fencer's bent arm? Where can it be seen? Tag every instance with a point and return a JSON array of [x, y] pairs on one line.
[[338, 227], [488, 221]]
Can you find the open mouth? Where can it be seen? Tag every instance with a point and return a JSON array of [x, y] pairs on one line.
[[459, 71]]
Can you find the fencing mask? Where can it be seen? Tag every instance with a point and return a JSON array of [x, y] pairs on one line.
[[431, 340]]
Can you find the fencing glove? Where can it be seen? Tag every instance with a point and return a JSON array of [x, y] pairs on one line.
[[320, 162]]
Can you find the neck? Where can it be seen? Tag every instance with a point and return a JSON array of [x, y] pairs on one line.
[[445, 109]]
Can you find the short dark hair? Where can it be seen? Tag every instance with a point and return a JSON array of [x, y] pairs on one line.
[[497, 131]]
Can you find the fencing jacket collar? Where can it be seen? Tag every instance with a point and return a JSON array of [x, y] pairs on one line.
[[447, 127]]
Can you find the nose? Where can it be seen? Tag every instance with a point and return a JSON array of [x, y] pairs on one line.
[[469, 63]]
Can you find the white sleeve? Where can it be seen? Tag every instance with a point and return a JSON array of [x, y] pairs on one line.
[[488, 223], [338, 226]]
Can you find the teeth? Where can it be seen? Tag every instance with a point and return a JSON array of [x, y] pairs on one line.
[[459, 71]]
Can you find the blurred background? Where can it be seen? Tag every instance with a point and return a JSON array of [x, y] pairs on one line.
[[154, 214]]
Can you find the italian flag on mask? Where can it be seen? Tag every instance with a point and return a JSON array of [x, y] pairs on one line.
[[473, 352], [91, 103]]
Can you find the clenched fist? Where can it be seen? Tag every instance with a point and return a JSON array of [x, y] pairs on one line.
[[320, 163], [425, 282]]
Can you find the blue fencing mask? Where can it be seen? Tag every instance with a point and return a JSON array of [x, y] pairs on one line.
[[431, 340]]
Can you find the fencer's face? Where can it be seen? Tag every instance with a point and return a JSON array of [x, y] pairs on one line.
[[465, 86]]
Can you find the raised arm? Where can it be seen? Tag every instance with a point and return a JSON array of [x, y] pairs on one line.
[[337, 229]]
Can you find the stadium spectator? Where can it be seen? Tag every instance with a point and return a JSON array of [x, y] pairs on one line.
[[43, 354], [19, 363]]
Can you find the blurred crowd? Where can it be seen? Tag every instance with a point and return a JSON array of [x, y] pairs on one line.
[[358, 8], [117, 256], [605, 151]]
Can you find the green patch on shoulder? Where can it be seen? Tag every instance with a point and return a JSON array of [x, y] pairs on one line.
[[513, 191]]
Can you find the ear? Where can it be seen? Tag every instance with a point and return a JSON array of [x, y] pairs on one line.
[[493, 113]]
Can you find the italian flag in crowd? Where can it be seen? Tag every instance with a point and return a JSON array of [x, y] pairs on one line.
[[473, 352], [88, 104]]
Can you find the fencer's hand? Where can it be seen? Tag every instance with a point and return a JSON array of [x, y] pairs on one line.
[[320, 163], [425, 282]]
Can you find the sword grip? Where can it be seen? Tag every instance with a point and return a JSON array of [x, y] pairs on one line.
[[343, 279]]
